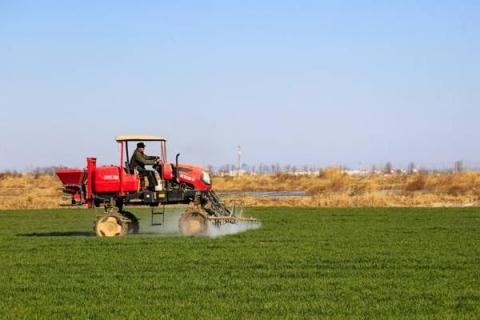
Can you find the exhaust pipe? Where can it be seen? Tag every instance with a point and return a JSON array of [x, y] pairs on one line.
[[176, 166]]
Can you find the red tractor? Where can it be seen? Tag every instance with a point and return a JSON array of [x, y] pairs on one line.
[[116, 187]]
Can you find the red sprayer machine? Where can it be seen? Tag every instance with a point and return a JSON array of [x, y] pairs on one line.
[[116, 187]]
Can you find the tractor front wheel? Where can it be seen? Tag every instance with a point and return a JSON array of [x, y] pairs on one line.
[[192, 223], [111, 225]]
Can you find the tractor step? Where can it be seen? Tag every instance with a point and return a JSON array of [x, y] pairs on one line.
[[154, 221]]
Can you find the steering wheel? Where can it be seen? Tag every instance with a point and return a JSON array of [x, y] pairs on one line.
[[156, 166]]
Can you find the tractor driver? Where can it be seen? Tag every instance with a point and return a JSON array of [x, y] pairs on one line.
[[139, 161]]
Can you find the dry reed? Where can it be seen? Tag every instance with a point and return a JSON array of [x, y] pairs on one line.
[[330, 188]]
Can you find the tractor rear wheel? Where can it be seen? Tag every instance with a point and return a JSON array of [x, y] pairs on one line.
[[192, 223], [133, 225], [111, 225]]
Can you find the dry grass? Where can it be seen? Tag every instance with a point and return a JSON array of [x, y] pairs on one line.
[[331, 188], [334, 188], [364, 201], [29, 191]]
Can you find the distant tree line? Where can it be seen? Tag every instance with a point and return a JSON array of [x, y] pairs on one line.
[[274, 168], [387, 169]]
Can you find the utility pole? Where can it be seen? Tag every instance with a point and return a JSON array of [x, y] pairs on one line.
[[239, 164]]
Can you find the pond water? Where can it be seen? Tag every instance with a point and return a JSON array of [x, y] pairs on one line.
[[263, 194]]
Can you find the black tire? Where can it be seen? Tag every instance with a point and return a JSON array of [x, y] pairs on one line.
[[134, 224]]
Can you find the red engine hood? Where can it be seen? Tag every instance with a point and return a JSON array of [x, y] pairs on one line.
[[192, 175]]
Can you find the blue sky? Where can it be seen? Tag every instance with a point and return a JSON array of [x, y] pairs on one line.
[[301, 82]]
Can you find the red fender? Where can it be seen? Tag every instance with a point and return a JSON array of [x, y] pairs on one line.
[[167, 171]]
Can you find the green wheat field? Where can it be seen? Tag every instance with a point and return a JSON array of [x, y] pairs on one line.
[[301, 264]]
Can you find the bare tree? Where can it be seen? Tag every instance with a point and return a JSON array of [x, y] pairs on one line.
[[411, 168], [388, 168], [458, 166]]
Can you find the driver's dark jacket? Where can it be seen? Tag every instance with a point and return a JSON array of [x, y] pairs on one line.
[[140, 160]]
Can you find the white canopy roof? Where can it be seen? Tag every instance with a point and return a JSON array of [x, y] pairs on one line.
[[139, 138]]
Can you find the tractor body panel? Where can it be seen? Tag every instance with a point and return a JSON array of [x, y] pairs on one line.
[[107, 180], [192, 175]]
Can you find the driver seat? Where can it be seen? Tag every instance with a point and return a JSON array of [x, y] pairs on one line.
[[127, 168]]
